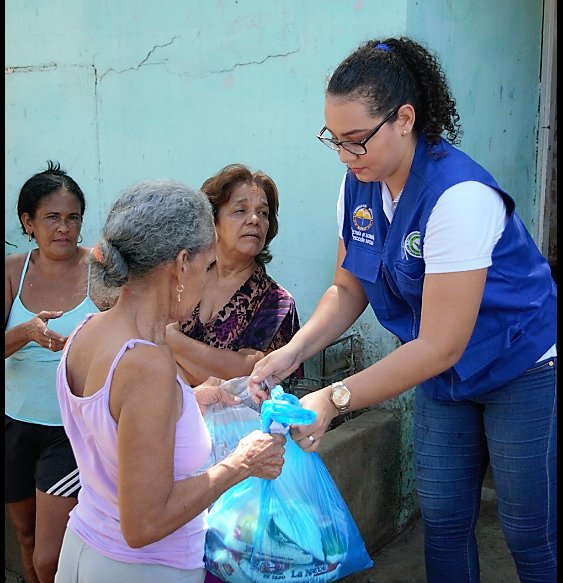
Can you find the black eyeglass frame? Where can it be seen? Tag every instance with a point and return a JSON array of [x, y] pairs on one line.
[[336, 145]]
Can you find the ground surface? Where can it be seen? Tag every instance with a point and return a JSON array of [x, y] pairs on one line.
[[402, 561]]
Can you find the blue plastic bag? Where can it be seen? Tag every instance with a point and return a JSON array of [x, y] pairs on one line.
[[295, 528]]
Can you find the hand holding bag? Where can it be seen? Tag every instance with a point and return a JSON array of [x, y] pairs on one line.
[[295, 528]]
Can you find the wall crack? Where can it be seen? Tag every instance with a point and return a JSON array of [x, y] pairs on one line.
[[236, 65], [143, 62]]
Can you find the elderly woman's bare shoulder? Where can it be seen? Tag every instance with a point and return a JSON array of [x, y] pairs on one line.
[[146, 363], [145, 381]]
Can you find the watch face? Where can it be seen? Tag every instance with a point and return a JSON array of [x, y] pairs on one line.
[[341, 397]]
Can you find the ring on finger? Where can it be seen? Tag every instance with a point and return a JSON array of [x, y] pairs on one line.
[[45, 330], [50, 344], [311, 439]]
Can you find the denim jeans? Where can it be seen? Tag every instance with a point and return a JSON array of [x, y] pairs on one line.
[[514, 428]]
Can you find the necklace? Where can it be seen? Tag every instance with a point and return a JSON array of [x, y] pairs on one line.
[[395, 201]]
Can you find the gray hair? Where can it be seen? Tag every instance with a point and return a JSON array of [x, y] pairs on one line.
[[148, 225]]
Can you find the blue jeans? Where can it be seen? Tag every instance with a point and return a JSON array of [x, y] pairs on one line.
[[514, 429]]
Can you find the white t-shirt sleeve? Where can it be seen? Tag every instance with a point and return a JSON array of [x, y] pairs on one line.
[[340, 208], [463, 228]]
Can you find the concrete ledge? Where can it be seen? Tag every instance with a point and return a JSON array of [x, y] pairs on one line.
[[362, 455]]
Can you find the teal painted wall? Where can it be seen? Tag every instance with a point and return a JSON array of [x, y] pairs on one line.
[[491, 52], [121, 91]]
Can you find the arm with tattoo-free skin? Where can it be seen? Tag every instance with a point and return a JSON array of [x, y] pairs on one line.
[[151, 503], [199, 361], [450, 304], [338, 309]]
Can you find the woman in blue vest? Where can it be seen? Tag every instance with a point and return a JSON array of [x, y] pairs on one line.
[[432, 242]]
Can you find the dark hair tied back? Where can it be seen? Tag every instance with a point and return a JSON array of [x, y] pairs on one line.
[[390, 72]]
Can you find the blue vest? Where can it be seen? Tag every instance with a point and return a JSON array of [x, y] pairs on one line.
[[517, 318]]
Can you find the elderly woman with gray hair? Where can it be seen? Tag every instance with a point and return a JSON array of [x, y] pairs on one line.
[[136, 428]]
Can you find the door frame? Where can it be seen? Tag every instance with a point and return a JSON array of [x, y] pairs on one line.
[[547, 128]]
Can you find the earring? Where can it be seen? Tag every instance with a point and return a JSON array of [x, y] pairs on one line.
[[180, 289], [30, 236], [404, 132], [80, 239]]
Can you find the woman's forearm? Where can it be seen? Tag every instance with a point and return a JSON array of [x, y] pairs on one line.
[[188, 498], [336, 311], [200, 361], [16, 338]]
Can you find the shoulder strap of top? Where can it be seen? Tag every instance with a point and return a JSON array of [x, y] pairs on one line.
[[126, 345], [26, 263], [74, 333], [89, 269]]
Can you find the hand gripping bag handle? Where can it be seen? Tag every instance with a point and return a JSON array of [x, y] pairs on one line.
[[283, 410]]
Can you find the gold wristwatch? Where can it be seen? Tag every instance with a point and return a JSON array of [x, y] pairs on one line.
[[340, 397]]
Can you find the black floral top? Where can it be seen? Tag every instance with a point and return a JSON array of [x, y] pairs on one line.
[[261, 315]]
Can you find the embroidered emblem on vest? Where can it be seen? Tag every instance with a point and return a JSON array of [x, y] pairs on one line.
[[412, 244], [363, 217]]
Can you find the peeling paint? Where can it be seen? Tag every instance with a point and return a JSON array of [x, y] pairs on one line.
[[29, 68]]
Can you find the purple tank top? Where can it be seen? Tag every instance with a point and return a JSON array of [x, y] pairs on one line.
[[93, 434]]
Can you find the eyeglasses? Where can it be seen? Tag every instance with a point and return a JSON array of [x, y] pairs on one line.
[[357, 148]]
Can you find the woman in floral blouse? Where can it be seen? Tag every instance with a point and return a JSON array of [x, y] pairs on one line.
[[244, 313]]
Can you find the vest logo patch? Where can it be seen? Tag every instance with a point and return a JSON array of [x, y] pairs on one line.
[[363, 217], [412, 244]]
